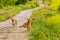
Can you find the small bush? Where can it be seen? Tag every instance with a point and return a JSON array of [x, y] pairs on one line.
[[33, 5], [27, 7]]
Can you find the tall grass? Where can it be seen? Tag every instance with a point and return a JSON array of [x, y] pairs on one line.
[[9, 11], [57, 2], [12, 7], [41, 28]]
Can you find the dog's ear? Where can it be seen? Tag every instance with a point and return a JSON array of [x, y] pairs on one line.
[[12, 19]]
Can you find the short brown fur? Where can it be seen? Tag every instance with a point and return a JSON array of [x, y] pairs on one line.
[[14, 22], [27, 24]]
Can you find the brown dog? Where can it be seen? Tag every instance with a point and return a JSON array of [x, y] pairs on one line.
[[14, 22], [27, 24]]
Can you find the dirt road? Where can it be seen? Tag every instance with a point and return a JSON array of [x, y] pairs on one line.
[[7, 32]]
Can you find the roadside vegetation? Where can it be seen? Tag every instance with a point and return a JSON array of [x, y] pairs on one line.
[[13, 7], [45, 24], [45, 21]]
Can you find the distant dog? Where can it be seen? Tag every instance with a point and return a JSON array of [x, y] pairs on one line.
[[14, 22], [27, 24]]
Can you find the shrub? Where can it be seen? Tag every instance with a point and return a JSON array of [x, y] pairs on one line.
[[33, 5], [27, 6]]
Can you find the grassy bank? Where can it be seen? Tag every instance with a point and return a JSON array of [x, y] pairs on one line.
[[45, 24], [9, 11]]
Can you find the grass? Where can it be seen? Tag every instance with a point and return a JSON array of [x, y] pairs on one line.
[[9, 11], [45, 24]]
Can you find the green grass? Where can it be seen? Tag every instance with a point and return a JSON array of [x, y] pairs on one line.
[[9, 11], [42, 26], [28, 6]]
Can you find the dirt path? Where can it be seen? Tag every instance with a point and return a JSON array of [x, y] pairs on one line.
[[7, 32], [21, 18], [14, 34]]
